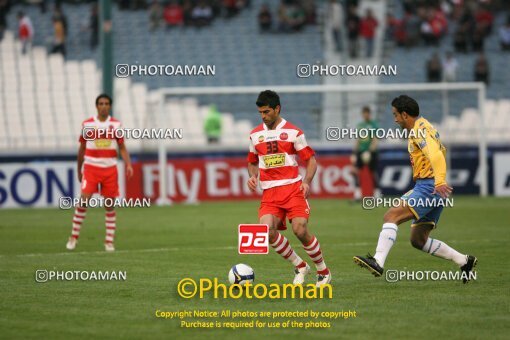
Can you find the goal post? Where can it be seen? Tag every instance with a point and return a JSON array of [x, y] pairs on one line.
[[354, 94]]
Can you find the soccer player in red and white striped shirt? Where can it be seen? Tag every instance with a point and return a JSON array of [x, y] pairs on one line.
[[274, 147], [97, 168]]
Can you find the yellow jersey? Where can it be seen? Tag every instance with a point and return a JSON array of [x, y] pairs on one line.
[[427, 153]]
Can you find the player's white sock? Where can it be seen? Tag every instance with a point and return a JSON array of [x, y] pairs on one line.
[[110, 222], [313, 249], [439, 248], [357, 193], [79, 216], [377, 193], [282, 247], [387, 238]]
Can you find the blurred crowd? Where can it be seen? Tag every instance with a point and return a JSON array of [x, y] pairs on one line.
[[57, 43], [162, 13], [428, 22], [345, 22], [290, 16], [467, 22], [5, 7], [446, 69], [192, 13]]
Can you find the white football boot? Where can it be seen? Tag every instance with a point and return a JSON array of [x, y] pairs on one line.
[[301, 273], [323, 279], [71, 243], [108, 246]]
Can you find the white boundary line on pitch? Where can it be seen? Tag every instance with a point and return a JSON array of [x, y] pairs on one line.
[[153, 250], [157, 250]]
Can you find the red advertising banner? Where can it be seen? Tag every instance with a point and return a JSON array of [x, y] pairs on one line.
[[203, 179]]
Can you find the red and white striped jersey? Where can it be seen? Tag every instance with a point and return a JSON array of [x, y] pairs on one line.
[[276, 151], [101, 146]]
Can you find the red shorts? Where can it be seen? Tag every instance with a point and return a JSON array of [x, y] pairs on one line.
[[107, 177], [284, 202]]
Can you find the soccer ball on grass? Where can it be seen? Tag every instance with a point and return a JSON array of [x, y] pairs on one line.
[[240, 274]]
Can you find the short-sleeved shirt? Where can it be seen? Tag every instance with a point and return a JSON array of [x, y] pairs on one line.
[[425, 147], [364, 143], [276, 152], [101, 147]]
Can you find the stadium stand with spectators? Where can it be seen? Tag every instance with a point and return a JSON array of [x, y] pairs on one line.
[[39, 88]]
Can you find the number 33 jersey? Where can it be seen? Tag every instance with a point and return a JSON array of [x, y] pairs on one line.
[[275, 151]]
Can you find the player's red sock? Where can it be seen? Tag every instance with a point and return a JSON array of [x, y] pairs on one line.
[[110, 222], [282, 247], [301, 265], [79, 216], [323, 272], [313, 249]]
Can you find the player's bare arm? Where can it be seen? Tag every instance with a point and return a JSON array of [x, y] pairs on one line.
[[438, 163], [253, 170], [311, 169], [81, 157], [125, 156], [373, 145], [444, 190]]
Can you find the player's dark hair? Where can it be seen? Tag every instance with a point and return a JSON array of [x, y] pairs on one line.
[[406, 104], [365, 109], [268, 98], [104, 95]]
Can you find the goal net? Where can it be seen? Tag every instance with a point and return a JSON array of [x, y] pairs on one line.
[[457, 110]]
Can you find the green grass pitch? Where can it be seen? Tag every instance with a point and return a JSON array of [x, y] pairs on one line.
[[159, 246]]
